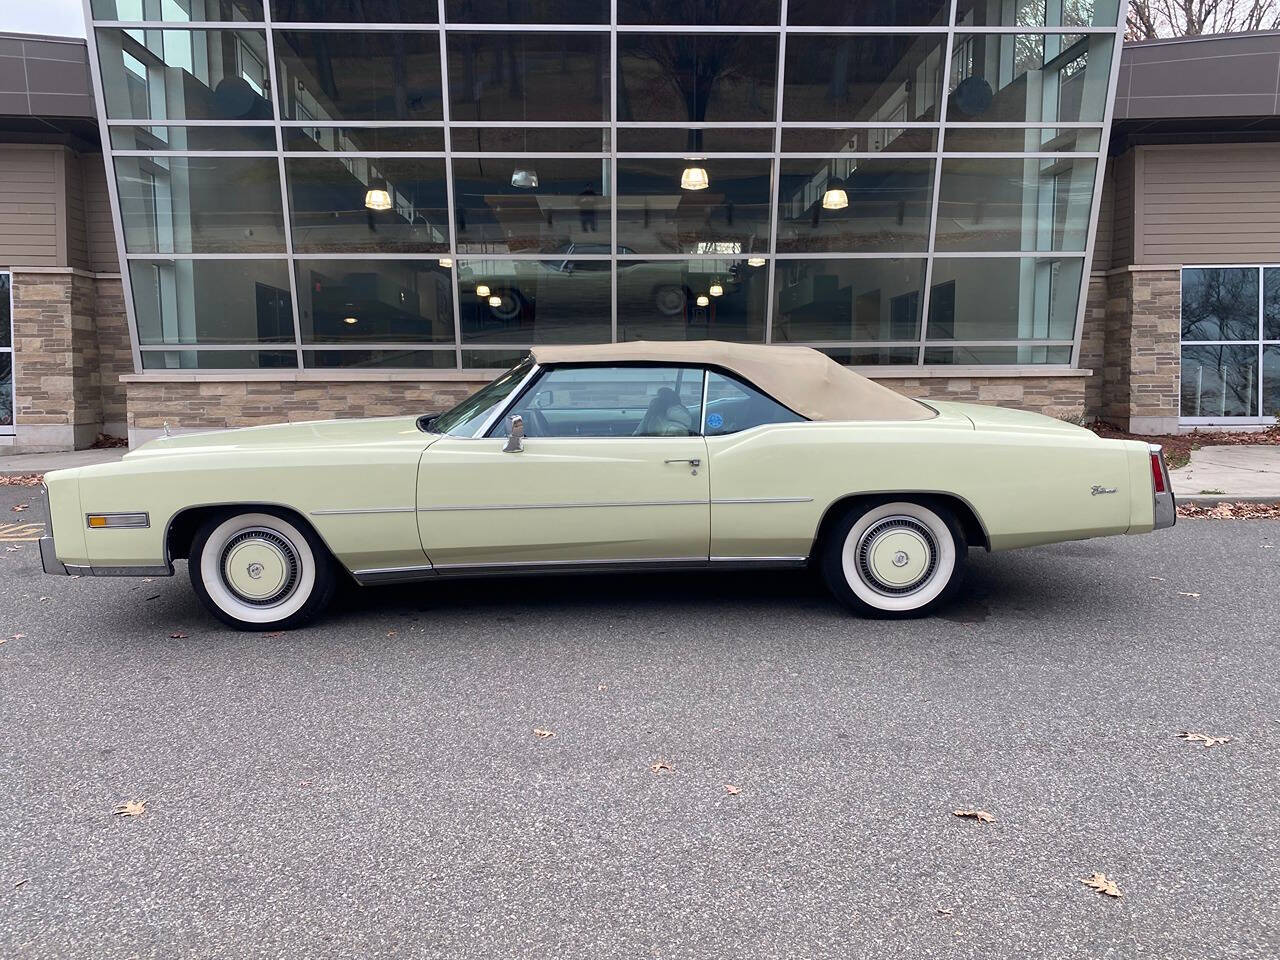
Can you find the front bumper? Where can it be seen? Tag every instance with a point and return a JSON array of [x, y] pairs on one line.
[[50, 563]]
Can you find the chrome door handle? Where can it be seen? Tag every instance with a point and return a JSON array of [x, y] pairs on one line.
[[693, 462]]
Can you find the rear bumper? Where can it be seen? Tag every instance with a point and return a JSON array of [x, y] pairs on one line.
[[1164, 505]]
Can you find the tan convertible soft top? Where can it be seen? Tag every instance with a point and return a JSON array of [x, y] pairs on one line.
[[809, 382]]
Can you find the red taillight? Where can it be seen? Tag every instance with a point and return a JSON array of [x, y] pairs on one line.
[[1157, 472]]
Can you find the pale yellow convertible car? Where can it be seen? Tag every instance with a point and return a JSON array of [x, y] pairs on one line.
[[651, 456]]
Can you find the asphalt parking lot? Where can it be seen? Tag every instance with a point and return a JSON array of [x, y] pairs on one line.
[[373, 786]]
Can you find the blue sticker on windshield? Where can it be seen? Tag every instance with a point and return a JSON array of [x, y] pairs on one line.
[[715, 421]]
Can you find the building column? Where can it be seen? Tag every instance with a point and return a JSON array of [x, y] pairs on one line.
[[57, 381], [1142, 352]]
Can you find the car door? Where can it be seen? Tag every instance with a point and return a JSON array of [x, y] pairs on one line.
[[611, 470]]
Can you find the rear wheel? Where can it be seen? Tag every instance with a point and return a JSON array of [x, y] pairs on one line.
[[260, 571], [895, 559]]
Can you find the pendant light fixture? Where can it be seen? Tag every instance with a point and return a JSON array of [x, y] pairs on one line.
[[482, 290], [755, 261], [377, 197], [446, 262], [716, 289], [350, 320], [835, 197], [495, 301], [694, 177], [526, 178], [703, 300]]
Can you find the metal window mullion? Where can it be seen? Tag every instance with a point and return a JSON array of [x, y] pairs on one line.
[[775, 177], [450, 200], [284, 188], [934, 202], [614, 243]]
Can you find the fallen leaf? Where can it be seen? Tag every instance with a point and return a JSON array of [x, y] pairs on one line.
[[1161, 579], [15, 636], [146, 579], [1202, 738], [177, 635], [21, 882], [659, 766], [45, 599], [154, 596], [732, 789], [944, 911], [304, 783], [980, 815], [602, 687], [1099, 882], [13, 549], [1183, 593], [133, 808], [543, 734], [391, 633], [18, 507], [275, 634]]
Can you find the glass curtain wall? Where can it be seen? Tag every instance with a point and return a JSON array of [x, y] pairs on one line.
[[439, 184]]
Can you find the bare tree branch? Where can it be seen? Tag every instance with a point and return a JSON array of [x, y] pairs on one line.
[[1154, 19]]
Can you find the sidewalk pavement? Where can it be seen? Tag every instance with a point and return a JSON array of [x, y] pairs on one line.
[[1248, 472], [19, 464]]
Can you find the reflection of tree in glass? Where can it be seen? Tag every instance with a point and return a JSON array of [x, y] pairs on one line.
[[1220, 304]]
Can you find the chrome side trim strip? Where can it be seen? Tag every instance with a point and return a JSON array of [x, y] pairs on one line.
[[568, 506], [337, 512], [393, 574], [49, 562], [553, 564], [759, 559], [727, 500]]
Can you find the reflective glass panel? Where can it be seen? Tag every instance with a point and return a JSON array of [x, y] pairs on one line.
[[611, 402], [364, 139], [1024, 140], [1007, 298], [1271, 304], [527, 11], [868, 13], [6, 320], [358, 75], [520, 302], [698, 12], [859, 140], [863, 78], [657, 213], [218, 359], [6, 389], [391, 301], [528, 76], [185, 74], [212, 301], [518, 139], [695, 141], [1220, 303], [491, 359], [734, 406], [385, 204], [531, 205], [1037, 13], [997, 355], [355, 11], [200, 204], [1017, 77], [222, 137], [1220, 381], [872, 356], [380, 359], [697, 78], [1271, 382], [854, 205], [676, 300], [136, 11], [1014, 204], [839, 300]]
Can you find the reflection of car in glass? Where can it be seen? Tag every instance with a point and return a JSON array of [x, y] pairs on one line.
[[568, 283], [621, 456]]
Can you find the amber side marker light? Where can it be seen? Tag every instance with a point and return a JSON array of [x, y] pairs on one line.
[[102, 520]]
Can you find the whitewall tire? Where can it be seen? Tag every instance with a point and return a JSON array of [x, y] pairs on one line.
[[260, 570], [895, 558]]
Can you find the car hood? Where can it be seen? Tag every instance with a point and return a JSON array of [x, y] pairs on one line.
[[1004, 420], [279, 436]]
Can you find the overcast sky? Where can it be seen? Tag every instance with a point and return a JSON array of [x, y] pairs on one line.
[[60, 18]]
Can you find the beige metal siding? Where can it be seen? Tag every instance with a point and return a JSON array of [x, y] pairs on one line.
[[77, 244], [29, 207], [1212, 203], [100, 233], [1122, 210], [1106, 223]]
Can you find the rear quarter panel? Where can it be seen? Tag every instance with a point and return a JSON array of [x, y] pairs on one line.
[[1026, 488]]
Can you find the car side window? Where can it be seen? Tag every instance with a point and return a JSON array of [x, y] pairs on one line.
[[733, 406], [621, 401]]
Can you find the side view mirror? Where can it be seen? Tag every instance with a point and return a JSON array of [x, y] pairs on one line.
[[515, 437]]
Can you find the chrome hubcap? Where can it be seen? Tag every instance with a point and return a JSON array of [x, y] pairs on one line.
[[260, 567], [896, 555]]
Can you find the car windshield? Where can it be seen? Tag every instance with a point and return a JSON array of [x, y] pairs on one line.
[[466, 419]]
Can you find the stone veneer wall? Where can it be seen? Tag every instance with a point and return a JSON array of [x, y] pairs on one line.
[[208, 404], [115, 354], [1141, 365]]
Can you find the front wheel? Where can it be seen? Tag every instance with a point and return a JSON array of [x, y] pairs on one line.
[[260, 571], [895, 559]]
